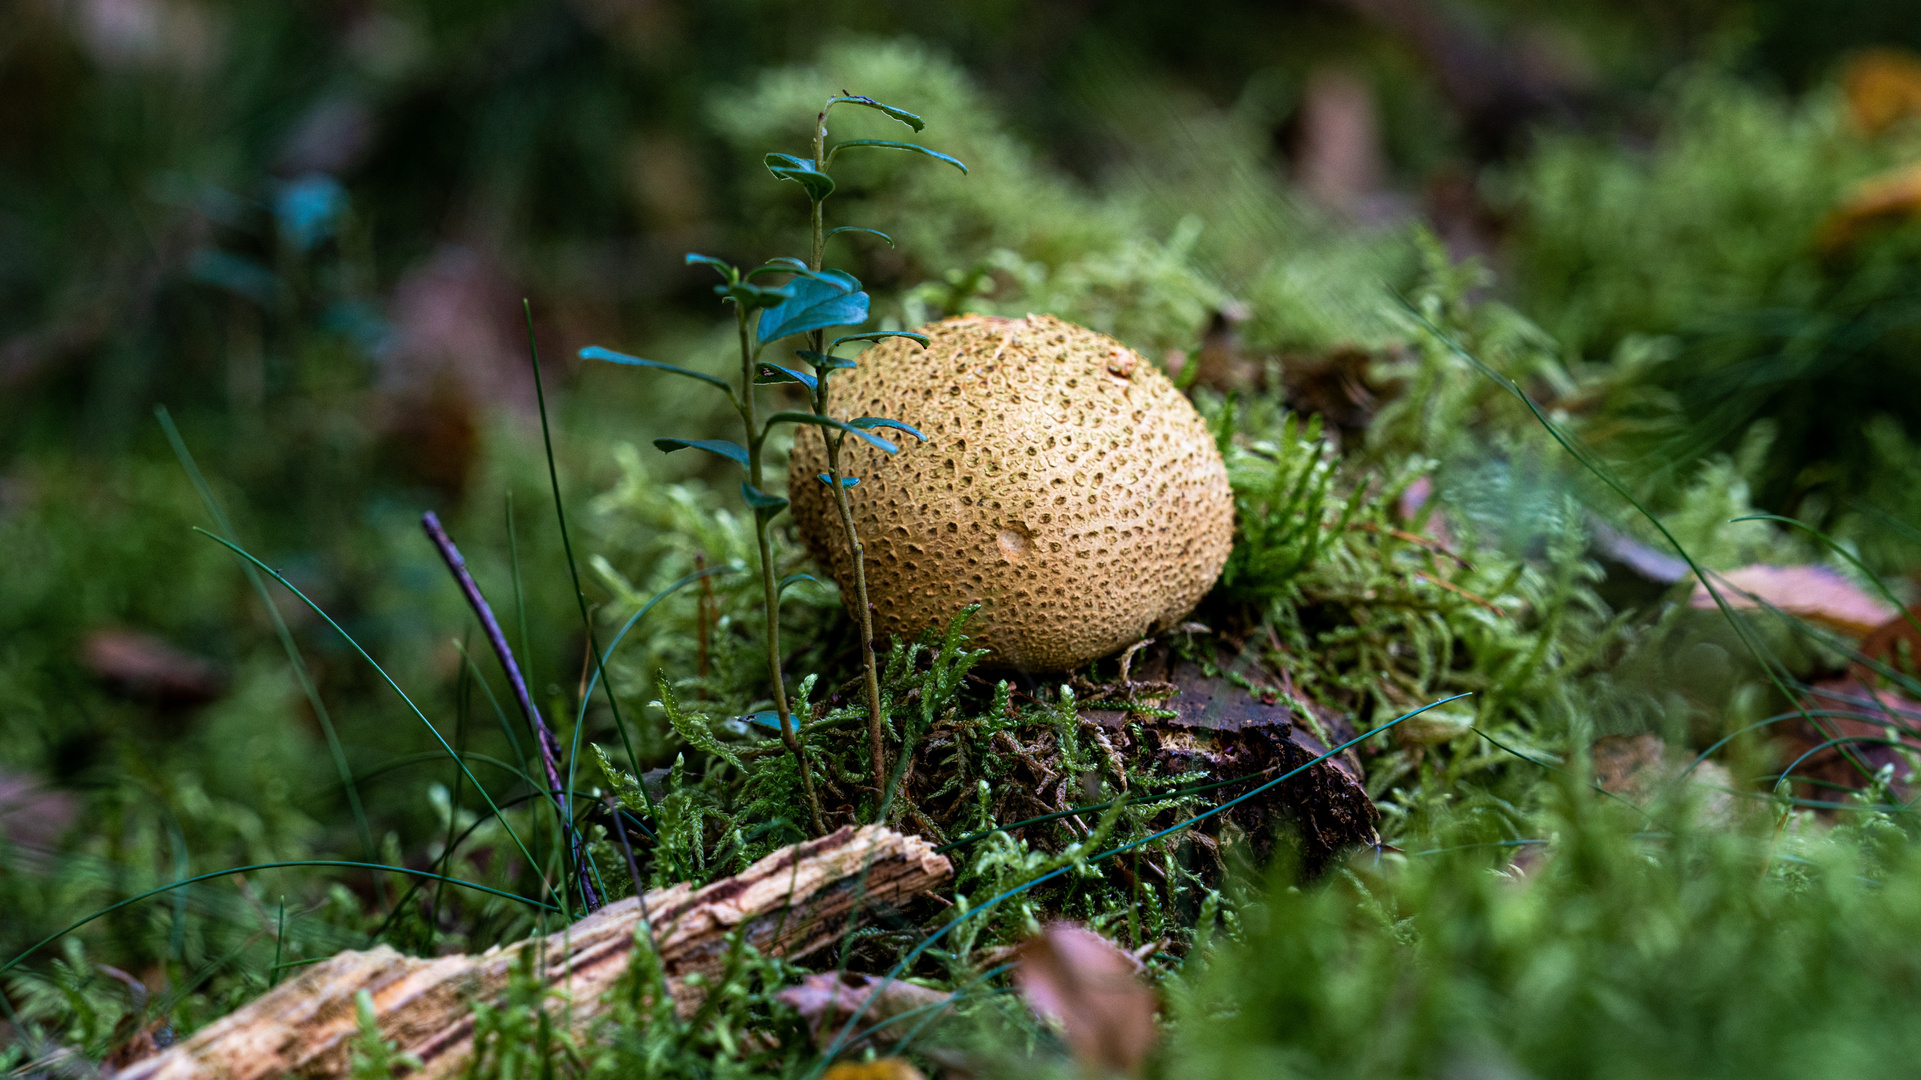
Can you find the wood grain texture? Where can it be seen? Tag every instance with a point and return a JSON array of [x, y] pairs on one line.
[[790, 903]]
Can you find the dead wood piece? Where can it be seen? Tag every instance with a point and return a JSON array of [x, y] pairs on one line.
[[790, 903]]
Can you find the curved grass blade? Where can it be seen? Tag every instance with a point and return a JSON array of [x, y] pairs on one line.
[[111, 908], [795, 579], [580, 715], [884, 144], [566, 539], [302, 675], [318, 610]]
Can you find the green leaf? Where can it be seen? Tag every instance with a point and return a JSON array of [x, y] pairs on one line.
[[595, 352], [845, 481], [858, 228], [823, 362], [815, 305], [732, 451], [774, 373], [817, 184], [883, 144], [692, 729], [751, 296], [846, 280], [765, 505], [878, 335], [897, 113], [795, 579], [866, 422], [724, 268], [766, 718], [791, 417]]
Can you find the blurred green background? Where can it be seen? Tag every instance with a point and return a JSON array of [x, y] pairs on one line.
[[306, 229]]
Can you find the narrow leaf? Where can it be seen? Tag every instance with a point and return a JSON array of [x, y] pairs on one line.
[[774, 373], [595, 352], [868, 422], [824, 362], [859, 229], [897, 113], [817, 184], [721, 266], [767, 718], [815, 305], [845, 481], [752, 296], [883, 144], [879, 335], [791, 417], [847, 281], [765, 505], [732, 451]]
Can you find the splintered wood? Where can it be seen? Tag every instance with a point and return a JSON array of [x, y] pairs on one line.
[[789, 904]]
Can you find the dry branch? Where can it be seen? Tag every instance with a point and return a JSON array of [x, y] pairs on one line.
[[790, 903]]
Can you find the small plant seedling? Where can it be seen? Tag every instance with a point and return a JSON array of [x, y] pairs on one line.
[[812, 301]]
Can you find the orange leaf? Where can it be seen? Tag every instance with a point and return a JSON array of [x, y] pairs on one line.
[[1883, 86], [1814, 593], [1091, 989]]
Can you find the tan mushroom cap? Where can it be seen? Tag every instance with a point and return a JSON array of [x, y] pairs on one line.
[[1066, 486]]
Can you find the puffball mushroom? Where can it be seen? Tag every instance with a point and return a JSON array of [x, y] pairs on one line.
[[1066, 486]]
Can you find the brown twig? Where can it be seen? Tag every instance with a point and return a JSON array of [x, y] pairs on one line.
[[549, 746]]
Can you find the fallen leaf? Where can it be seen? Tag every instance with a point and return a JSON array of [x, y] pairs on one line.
[[1883, 199], [33, 814], [1855, 711], [1814, 593], [1642, 768], [892, 1068], [1885, 645], [827, 999], [1883, 87], [141, 665], [1090, 988]]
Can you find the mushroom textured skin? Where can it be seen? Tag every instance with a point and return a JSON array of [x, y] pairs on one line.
[[1066, 486]]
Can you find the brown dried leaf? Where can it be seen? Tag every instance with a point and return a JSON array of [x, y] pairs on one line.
[[141, 665], [1090, 988], [879, 1069], [1883, 87], [827, 999], [1814, 593]]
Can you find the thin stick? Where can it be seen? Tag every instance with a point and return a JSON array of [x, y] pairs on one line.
[[549, 747]]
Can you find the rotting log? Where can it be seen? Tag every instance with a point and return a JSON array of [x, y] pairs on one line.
[[1230, 734], [789, 904]]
